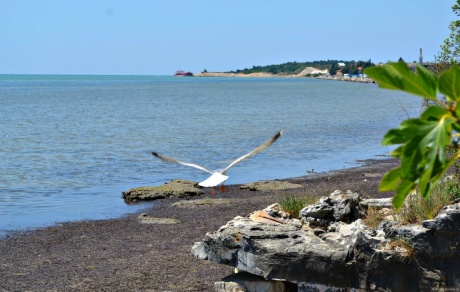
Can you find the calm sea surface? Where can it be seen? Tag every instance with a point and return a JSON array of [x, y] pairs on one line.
[[69, 145]]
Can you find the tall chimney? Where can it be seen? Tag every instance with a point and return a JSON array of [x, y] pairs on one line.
[[420, 59]]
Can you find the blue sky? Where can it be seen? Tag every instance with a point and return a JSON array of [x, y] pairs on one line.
[[158, 37]]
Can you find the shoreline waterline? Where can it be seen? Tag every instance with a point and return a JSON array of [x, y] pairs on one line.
[[71, 145], [142, 206]]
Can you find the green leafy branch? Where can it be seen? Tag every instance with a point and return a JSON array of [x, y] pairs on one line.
[[422, 141]]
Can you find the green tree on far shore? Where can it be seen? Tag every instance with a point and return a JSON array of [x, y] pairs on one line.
[[291, 68], [333, 69], [354, 67]]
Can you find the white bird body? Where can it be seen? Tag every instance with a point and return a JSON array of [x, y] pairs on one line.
[[218, 177], [215, 179]]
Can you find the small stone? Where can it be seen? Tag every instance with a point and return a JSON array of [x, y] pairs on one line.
[[430, 224]]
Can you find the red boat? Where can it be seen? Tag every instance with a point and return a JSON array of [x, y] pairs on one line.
[[183, 73]]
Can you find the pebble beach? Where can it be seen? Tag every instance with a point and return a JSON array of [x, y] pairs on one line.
[[126, 254]]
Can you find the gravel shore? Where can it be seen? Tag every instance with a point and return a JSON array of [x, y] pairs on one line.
[[126, 255]]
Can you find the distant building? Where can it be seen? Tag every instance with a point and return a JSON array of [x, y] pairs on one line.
[[341, 64], [183, 73]]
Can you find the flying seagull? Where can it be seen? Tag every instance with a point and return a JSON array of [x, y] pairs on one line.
[[219, 176]]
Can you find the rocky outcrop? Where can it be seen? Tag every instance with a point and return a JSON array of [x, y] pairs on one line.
[[331, 247], [176, 188]]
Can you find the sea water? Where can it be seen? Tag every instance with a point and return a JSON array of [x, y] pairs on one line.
[[69, 145]]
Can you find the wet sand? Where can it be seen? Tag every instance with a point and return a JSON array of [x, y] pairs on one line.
[[126, 255]]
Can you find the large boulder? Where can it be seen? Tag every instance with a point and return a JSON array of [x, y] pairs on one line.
[[174, 188], [330, 246]]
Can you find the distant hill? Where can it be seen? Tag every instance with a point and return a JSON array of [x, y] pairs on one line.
[[295, 68]]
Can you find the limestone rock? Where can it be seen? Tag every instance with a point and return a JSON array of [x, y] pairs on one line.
[[271, 185], [378, 203], [448, 219], [388, 258], [176, 188], [338, 206]]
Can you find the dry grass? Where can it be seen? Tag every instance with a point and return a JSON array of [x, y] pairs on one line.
[[402, 245], [374, 216], [417, 209]]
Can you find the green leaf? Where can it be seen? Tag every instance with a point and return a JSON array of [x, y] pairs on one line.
[[394, 136], [390, 180], [411, 128], [399, 76], [403, 190], [386, 76], [398, 200], [397, 152], [456, 126], [449, 83], [434, 113], [427, 80], [422, 152], [422, 141]]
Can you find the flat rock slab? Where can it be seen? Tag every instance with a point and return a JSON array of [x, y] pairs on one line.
[[174, 188], [144, 219], [271, 185], [249, 282], [201, 202]]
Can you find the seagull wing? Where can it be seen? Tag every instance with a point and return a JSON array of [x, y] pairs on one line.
[[172, 160], [255, 151]]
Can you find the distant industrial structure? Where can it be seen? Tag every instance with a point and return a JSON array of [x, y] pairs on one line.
[[420, 58], [413, 65]]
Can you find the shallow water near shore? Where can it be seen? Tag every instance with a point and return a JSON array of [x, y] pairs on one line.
[[71, 144]]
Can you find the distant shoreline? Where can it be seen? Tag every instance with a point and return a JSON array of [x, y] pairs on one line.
[[224, 74], [270, 75], [348, 79]]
